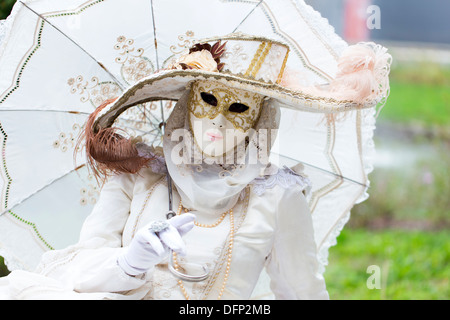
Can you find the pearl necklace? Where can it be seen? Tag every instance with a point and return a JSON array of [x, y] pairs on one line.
[[229, 251], [204, 225]]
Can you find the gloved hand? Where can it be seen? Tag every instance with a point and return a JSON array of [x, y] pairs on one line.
[[150, 246]]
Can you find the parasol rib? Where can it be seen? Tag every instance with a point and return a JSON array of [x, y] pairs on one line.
[[44, 110], [84, 50], [323, 170], [248, 15], [75, 43], [157, 57], [171, 213], [145, 133]]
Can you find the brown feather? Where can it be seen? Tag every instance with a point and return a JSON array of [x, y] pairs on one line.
[[107, 151], [218, 50]]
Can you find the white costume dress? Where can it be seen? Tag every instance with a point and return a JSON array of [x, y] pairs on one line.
[[273, 229]]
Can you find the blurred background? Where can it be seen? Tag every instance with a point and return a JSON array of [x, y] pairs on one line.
[[404, 226], [403, 229]]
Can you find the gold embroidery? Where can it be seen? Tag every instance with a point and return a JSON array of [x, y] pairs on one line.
[[255, 59], [67, 140], [262, 58], [93, 91], [283, 68], [134, 68], [90, 193], [186, 41], [134, 65]]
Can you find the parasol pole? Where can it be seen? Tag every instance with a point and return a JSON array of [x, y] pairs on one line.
[[170, 214]]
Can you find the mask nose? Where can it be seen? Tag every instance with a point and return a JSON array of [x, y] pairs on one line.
[[219, 121]]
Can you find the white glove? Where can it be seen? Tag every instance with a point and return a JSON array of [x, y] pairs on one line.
[[149, 247]]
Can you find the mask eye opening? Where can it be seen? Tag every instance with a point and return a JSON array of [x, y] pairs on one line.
[[209, 98], [238, 107]]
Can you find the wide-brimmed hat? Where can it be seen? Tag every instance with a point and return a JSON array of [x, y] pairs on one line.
[[254, 64], [259, 66]]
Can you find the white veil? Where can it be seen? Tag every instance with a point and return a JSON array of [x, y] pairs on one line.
[[203, 183]]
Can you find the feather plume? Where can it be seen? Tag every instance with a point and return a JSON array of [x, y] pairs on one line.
[[107, 151], [363, 74], [363, 71], [218, 50]]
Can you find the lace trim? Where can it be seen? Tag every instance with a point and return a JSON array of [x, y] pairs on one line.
[[285, 178], [323, 28]]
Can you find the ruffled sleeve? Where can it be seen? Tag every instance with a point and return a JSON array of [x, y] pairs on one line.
[[292, 264]]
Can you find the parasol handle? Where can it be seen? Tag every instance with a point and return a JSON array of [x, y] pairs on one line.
[[172, 269], [187, 277]]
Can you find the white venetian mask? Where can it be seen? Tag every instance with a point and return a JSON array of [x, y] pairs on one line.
[[221, 117]]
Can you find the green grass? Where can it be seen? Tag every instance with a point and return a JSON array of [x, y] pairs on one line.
[[413, 265], [414, 192], [420, 94], [5, 8], [412, 103]]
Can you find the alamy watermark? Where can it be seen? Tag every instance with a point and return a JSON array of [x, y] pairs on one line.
[[374, 19], [374, 280]]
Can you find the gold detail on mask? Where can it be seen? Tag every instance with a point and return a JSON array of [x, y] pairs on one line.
[[225, 100]]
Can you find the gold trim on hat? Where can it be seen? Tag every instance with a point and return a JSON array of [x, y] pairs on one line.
[[283, 68], [258, 59]]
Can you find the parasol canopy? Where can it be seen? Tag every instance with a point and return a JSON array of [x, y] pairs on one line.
[[60, 60]]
